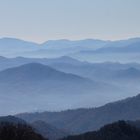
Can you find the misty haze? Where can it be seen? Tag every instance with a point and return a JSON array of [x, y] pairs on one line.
[[69, 70]]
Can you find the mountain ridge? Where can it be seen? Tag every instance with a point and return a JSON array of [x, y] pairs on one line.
[[83, 120]]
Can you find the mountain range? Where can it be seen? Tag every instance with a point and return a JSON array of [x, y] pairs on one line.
[[51, 89], [77, 83], [56, 125], [68, 81], [85, 123], [84, 120], [16, 47], [89, 49], [14, 128]]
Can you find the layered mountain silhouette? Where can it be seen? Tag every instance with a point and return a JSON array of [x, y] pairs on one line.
[[84, 120], [51, 89], [18, 61], [17, 47], [12, 47], [84, 69], [122, 46], [35, 76], [14, 128], [81, 84], [132, 47]]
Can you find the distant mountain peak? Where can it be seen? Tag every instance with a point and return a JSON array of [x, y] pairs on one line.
[[37, 72]]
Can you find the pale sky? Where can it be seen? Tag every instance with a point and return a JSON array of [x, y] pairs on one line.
[[41, 20]]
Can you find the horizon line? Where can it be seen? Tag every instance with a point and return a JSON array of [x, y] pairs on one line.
[[67, 39]]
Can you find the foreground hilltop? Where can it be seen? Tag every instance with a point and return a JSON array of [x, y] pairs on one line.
[[116, 131], [10, 131]]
